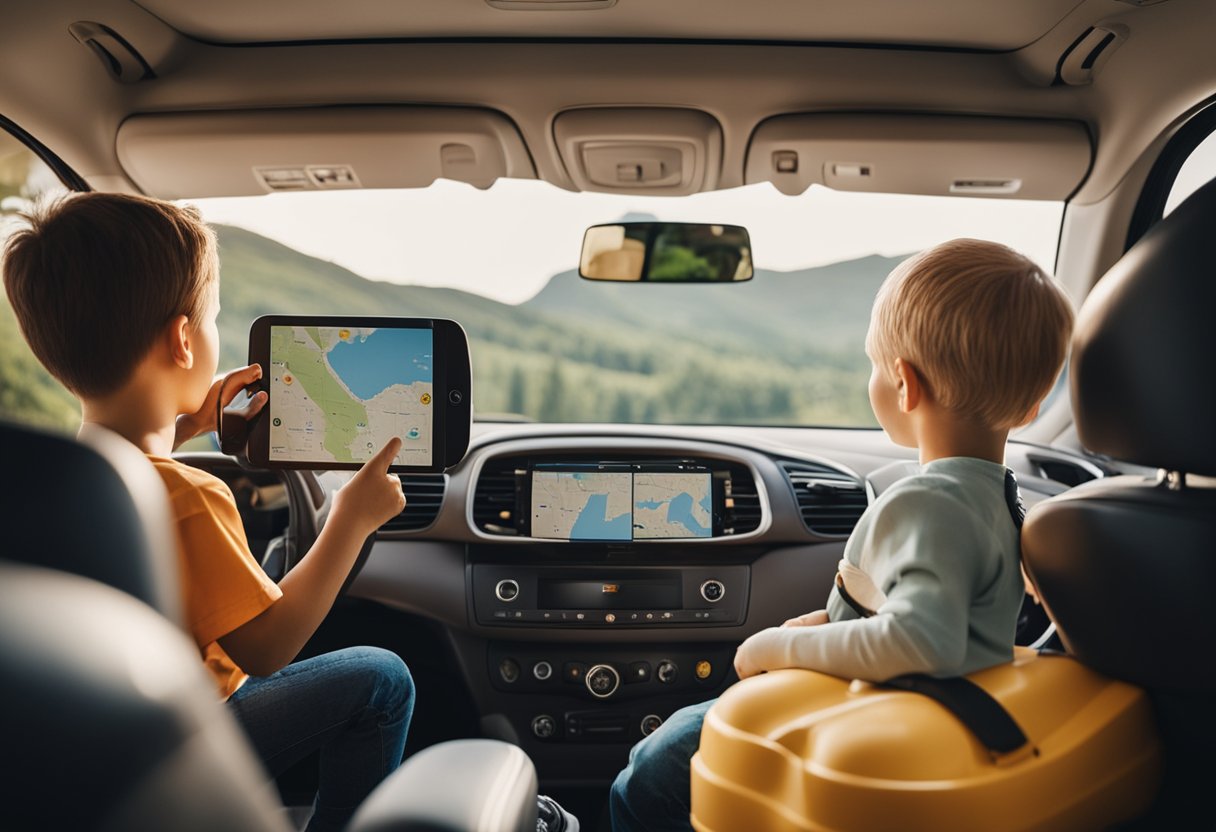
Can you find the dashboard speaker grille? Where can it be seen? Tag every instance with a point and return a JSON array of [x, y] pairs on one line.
[[830, 501], [423, 497]]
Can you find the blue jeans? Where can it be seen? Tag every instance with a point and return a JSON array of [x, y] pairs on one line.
[[652, 792], [353, 705]]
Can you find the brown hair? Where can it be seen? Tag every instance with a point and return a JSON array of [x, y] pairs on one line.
[[983, 325], [94, 278]]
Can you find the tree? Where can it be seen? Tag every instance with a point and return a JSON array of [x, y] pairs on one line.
[[552, 402], [622, 409], [517, 395]]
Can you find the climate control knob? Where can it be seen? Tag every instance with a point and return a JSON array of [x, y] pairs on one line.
[[544, 726], [507, 590], [650, 724], [666, 672], [602, 680], [713, 590]]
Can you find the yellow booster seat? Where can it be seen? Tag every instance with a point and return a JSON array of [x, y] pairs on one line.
[[800, 750]]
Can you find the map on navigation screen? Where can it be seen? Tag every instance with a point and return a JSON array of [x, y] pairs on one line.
[[672, 505], [338, 394], [577, 505]]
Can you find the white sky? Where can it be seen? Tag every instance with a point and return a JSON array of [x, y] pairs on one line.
[[506, 242]]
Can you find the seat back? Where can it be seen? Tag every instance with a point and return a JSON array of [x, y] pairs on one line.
[[93, 507], [1126, 566], [109, 720]]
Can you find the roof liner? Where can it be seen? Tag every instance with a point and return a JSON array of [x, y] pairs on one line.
[[970, 24]]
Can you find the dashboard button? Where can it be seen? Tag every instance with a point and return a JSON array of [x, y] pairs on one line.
[[666, 672], [703, 670], [650, 724], [574, 672], [507, 590], [544, 726], [602, 680], [542, 671], [713, 590], [508, 669], [638, 672]]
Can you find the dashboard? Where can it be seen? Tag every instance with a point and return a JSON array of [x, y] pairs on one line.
[[574, 641]]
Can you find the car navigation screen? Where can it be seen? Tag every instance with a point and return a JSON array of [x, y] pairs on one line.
[[338, 394], [598, 503], [669, 505]]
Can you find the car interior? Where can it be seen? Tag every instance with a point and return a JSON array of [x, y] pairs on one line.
[[1083, 127]]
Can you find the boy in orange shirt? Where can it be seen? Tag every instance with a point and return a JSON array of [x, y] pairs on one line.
[[118, 297]]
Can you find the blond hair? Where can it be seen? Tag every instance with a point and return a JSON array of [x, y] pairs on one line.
[[984, 327], [94, 278]]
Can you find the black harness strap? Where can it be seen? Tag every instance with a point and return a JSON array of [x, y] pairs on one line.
[[973, 706], [984, 717]]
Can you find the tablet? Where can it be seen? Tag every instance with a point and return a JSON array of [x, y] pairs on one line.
[[340, 387]]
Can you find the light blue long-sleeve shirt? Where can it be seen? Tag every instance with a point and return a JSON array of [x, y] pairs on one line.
[[942, 546]]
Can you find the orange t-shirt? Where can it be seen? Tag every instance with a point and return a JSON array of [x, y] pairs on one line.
[[222, 585]]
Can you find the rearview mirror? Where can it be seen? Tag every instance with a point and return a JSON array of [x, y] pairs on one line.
[[666, 252]]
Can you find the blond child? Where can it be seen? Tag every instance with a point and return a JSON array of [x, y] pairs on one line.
[[966, 340], [118, 297]]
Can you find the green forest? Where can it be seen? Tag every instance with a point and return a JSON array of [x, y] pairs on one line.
[[785, 348]]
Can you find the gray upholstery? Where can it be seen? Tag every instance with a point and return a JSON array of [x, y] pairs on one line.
[[1126, 566], [1142, 388], [109, 720], [95, 508], [458, 786]]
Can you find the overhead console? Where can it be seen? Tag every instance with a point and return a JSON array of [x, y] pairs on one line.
[[651, 151], [249, 152], [921, 154]]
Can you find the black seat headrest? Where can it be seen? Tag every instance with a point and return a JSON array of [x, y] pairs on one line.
[[94, 507], [1142, 376]]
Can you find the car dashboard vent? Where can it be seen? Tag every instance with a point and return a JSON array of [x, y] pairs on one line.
[[423, 499], [494, 497], [830, 501], [746, 499]]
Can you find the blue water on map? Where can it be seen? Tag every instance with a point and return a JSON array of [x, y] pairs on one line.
[[679, 510], [593, 525], [369, 366]]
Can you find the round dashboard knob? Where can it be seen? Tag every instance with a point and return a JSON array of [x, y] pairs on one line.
[[544, 726], [507, 590], [650, 724], [602, 680], [713, 590]]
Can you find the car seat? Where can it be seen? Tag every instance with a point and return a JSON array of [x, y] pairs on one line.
[[108, 719], [1126, 566]]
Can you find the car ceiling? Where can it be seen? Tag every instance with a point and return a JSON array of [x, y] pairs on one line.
[[937, 56]]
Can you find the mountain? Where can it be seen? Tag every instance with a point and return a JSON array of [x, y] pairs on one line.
[[825, 306], [784, 348]]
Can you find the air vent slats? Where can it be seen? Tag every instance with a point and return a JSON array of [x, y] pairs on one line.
[[829, 501], [746, 499], [423, 499], [495, 494]]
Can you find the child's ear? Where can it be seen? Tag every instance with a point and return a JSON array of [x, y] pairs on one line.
[[908, 386], [181, 351]]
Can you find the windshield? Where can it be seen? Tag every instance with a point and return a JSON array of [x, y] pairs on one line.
[[785, 348]]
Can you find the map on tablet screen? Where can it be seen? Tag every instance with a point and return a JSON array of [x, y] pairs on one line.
[[338, 394]]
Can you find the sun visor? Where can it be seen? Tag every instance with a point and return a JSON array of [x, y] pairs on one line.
[[920, 154], [180, 155]]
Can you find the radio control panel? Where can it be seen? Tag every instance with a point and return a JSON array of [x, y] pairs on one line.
[[604, 596]]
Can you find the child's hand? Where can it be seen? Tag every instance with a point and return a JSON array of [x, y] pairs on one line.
[[811, 619], [223, 390], [744, 665], [372, 496]]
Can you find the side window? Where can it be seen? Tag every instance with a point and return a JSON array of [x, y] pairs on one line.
[[1198, 170], [28, 393]]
